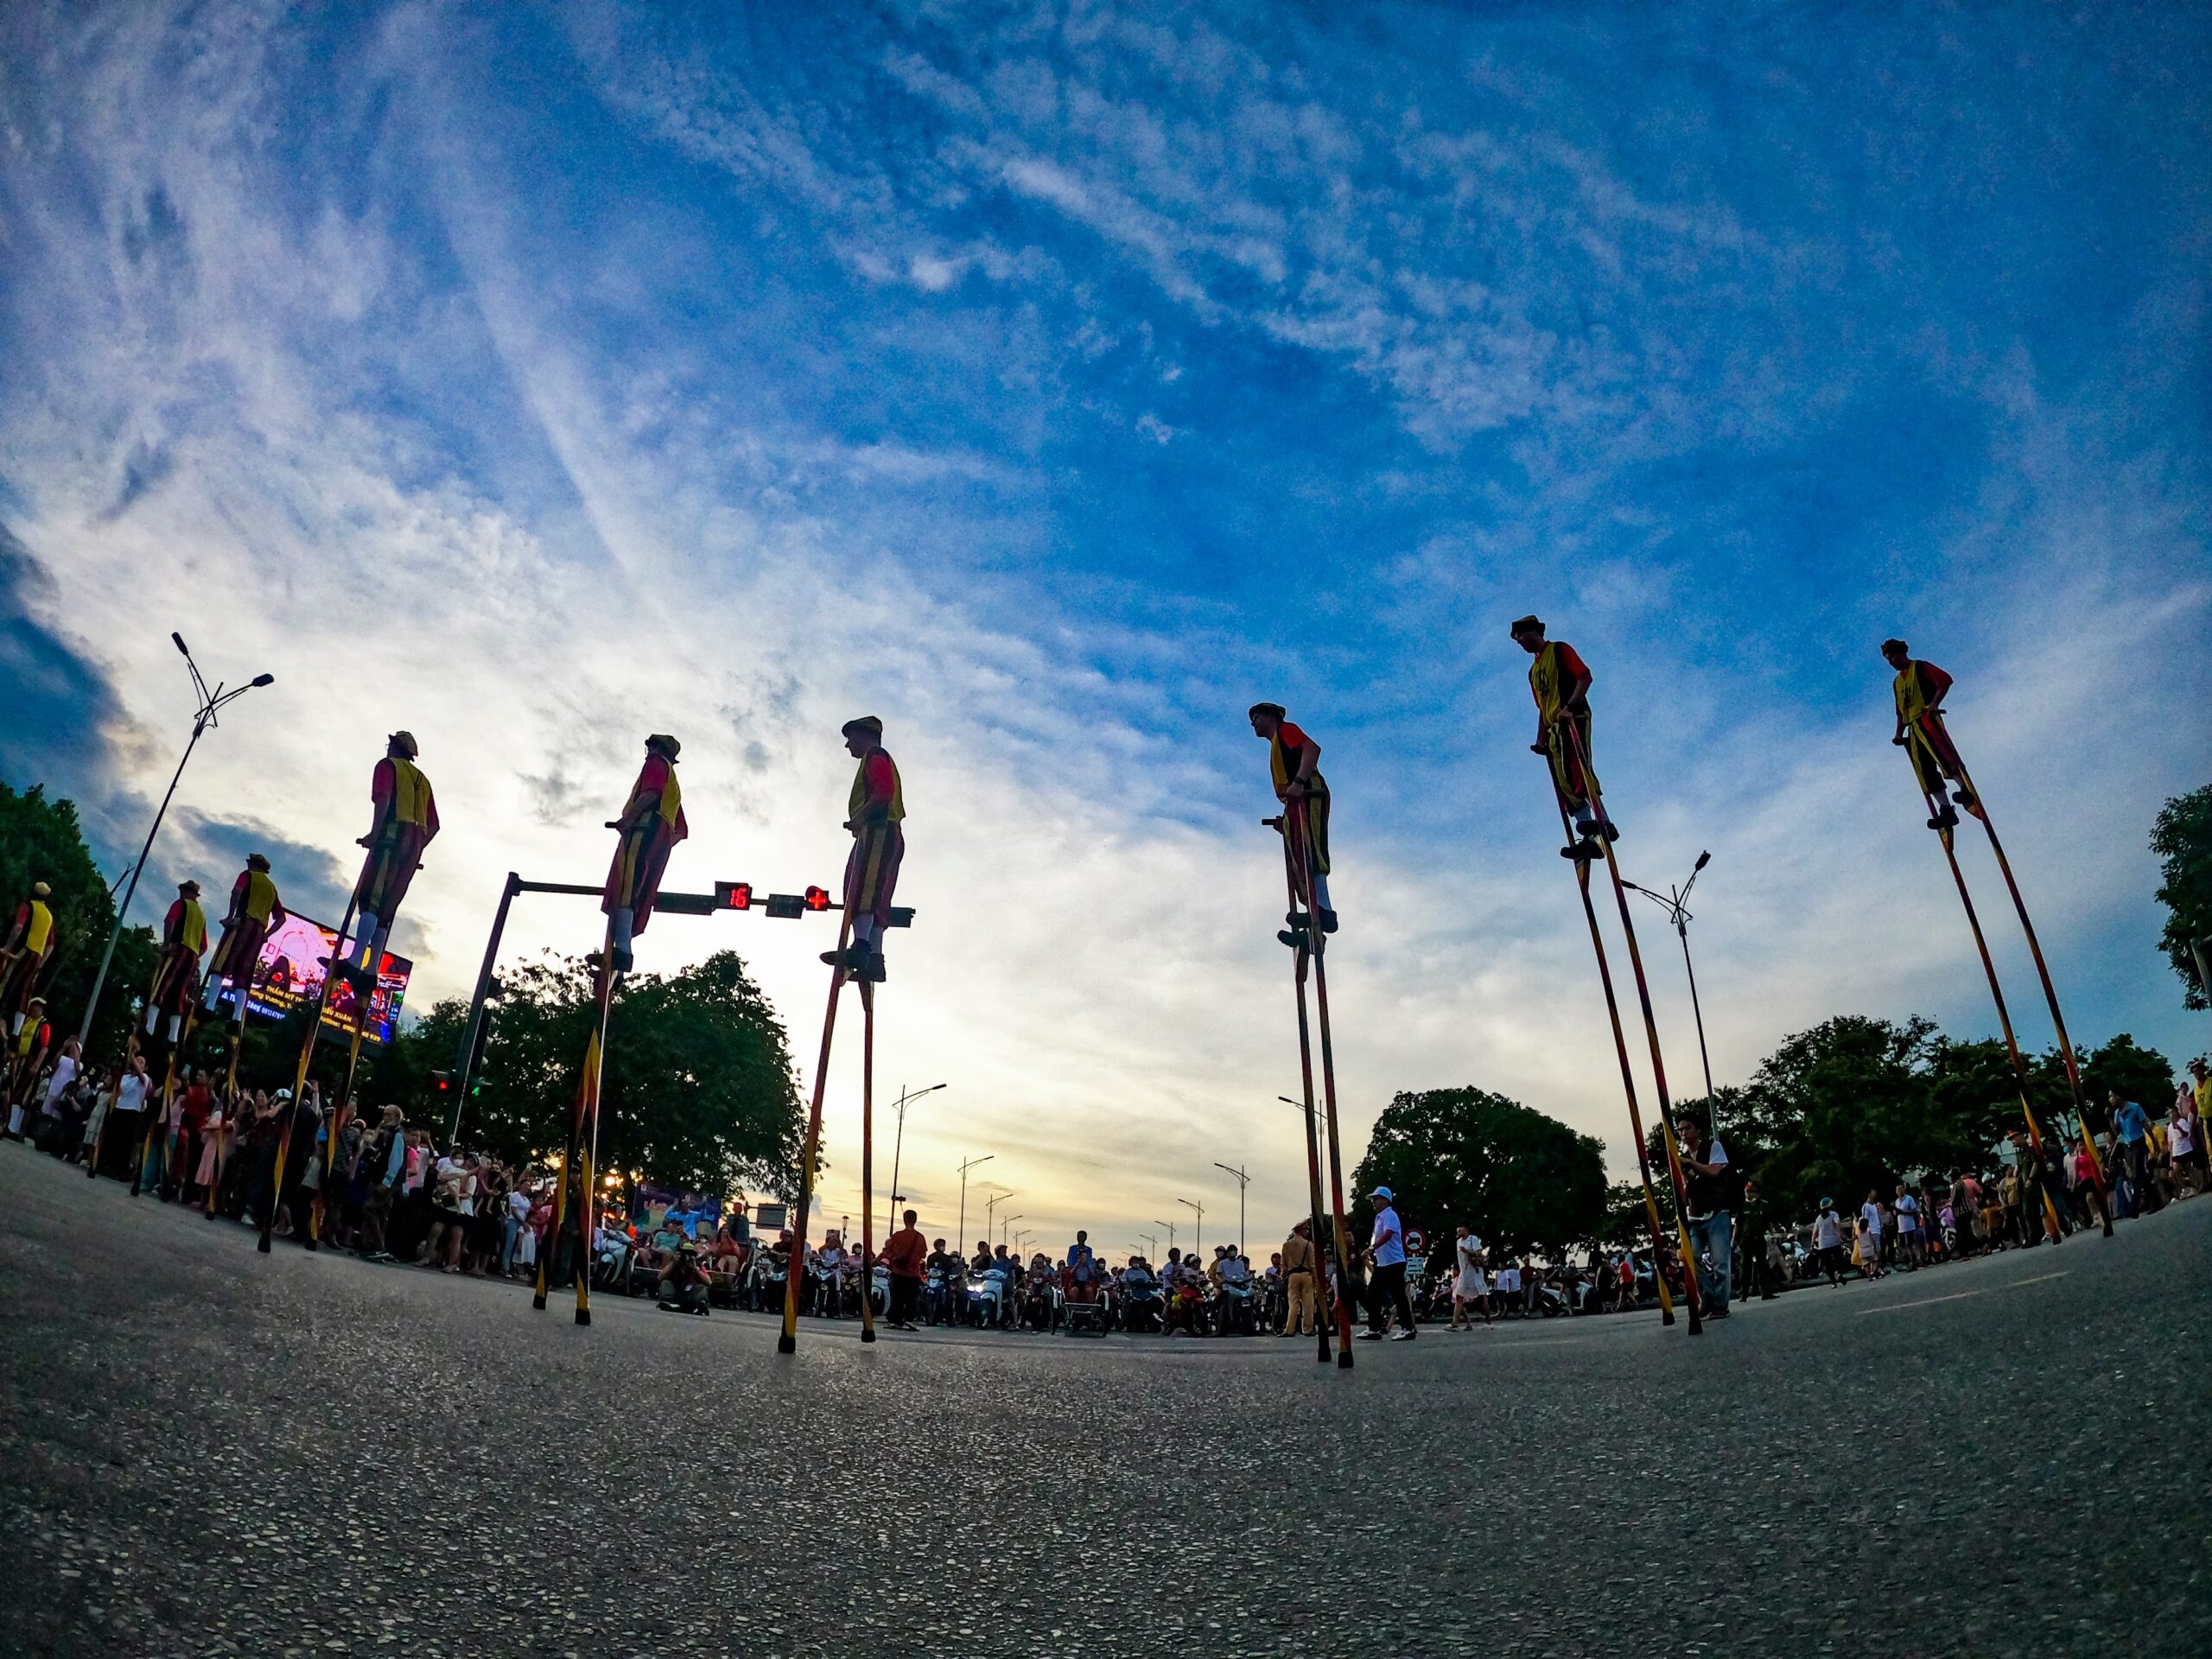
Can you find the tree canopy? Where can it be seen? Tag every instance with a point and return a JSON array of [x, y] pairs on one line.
[[698, 1090], [2181, 837], [1525, 1181], [41, 841]]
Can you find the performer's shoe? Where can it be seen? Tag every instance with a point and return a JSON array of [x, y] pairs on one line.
[[1581, 852], [871, 967], [1328, 921], [623, 960], [1295, 937], [1945, 818], [1966, 798]]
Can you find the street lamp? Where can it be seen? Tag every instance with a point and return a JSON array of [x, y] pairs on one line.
[[991, 1211], [1197, 1232], [207, 705], [1006, 1226], [966, 1165], [1672, 901], [1243, 1180], [1167, 1227], [1152, 1246], [898, 1141]]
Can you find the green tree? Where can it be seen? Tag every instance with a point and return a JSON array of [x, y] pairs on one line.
[[2142, 1075], [699, 1090], [1525, 1181], [2181, 837], [41, 841]]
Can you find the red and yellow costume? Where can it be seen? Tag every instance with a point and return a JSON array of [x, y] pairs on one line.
[[876, 809], [1554, 678], [653, 822], [29, 1051], [31, 947], [176, 971], [1918, 689], [406, 822], [1309, 852], [255, 908]]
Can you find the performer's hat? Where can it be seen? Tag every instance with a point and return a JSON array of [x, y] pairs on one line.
[[1274, 710], [40, 890], [867, 723], [189, 889], [256, 861], [36, 1002], [404, 742], [1529, 625], [667, 745]]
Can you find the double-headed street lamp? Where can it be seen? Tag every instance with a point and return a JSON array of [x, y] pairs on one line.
[[991, 1212], [1243, 1180], [207, 706], [1005, 1227], [1167, 1227], [1197, 1232], [1672, 901], [967, 1164]]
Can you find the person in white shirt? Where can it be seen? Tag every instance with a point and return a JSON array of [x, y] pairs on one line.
[[65, 1073], [1467, 1284], [2185, 1144], [125, 1129], [1908, 1214], [1827, 1242], [1386, 1282]]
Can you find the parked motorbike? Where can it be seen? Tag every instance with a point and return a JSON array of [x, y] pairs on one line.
[[1142, 1307]]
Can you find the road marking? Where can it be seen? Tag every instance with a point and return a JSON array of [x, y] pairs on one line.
[[1960, 1295]]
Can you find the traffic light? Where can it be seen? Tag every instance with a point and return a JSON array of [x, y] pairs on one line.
[[475, 1086], [818, 897], [441, 1083], [734, 895]]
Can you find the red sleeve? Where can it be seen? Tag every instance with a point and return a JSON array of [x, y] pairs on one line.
[[1573, 669], [430, 812], [380, 781], [1934, 682], [1294, 737], [882, 778], [653, 777]]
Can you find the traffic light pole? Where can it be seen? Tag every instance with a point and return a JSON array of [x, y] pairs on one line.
[[727, 896]]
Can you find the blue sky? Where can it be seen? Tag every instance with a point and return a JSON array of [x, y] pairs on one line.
[[1055, 381]]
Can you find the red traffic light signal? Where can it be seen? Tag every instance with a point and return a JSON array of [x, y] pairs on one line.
[[817, 898], [443, 1081], [734, 895]]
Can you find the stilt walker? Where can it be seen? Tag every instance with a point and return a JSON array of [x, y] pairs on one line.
[[1919, 689], [875, 815], [1628, 1078], [867, 1161], [255, 910], [1293, 760], [152, 1166], [171, 1006], [1559, 682], [26, 1053], [32, 938], [1305, 1077], [1929, 772], [404, 822]]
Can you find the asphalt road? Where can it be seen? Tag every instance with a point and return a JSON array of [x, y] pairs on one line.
[[203, 1451]]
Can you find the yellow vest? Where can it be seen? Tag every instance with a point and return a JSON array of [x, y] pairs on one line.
[[1911, 696], [40, 929], [1544, 680], [260, 896], [411, 792], [192, 934]]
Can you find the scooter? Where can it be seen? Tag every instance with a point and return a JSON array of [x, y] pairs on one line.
[[1142, 1307], [985, 1298], [1234, 1313]]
